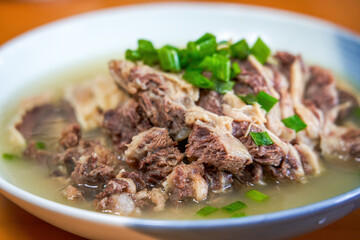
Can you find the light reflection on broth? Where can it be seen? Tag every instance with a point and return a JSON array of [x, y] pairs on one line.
[[35, 179]]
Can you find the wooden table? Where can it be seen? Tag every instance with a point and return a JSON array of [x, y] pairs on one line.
[[17, 17]]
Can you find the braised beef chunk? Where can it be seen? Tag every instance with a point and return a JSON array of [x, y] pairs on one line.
[[346, 97], [134, 78], [136, 178], [351, 142], [251, 174], [163, 112], [286, 60], [90, 174], [73, 194], [116, 198], [71, 136], [264, 154], [187, 182], [211, 101], [321, 89], [154, 198], [206, 146], [284, 171], [124, 122], [249, 81], [218, 181], [154, 154], [50, 115]]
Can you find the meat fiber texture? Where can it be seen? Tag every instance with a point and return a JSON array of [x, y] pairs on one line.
[[169, 142]]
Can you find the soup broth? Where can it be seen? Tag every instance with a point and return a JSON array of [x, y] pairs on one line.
[[34, 178]]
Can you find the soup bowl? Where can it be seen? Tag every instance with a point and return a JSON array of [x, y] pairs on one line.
[[68, 42]]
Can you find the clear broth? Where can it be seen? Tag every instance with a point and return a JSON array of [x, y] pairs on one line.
[[35, 179]]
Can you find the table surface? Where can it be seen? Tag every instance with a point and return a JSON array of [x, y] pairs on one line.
[[17, 17]]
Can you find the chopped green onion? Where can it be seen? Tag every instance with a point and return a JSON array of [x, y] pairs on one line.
[[223, 42], [356, 112], [260, 51], [147, 52], [256, 195], [204, 46], [205, 211], [184, 57], [294, 122], [132, 55], [233, 207], [249, 99], [40, 145], [261, 138], [235, 68], [237, 215], [240, 50], [219, 65], [223, 87], [169, 59], [198, 80], [224, 52], [266, 101], [9, 156]]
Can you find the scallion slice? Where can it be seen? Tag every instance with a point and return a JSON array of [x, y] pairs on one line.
[[205, 211], [223, 87], [204, 46], [132, 55], [9, 156], [265, 100], [249, 99], [169, 59], [261, 51], [40, 145], [256, 195], [198, 80], [237, 215], [261, 138], [236, 70], [147, 52], [240, 50], [233, 207], [219, 65], [294, 122]]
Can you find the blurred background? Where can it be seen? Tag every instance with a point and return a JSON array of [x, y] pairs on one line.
[[19, 16]]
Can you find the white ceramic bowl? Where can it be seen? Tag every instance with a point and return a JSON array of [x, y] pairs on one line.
[[68, 42]]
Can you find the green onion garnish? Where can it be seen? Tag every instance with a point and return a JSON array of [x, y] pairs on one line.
[[205, 211], [261, 138], [240, 50], [237, 215], [266, 101], [40, 145], [147, 52], [132, 55], [9, 156], [204, 46], [219, 65], [256, 195], [233, 207], [169, 59], [225, 52], [197, 79], [260, 51], [235, 68], [249, 99], [223, 87], [294, 122]]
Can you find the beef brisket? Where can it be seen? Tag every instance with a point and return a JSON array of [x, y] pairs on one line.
[[154, 154]]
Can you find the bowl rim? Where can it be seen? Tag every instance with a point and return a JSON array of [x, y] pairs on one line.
[[87, 215]]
